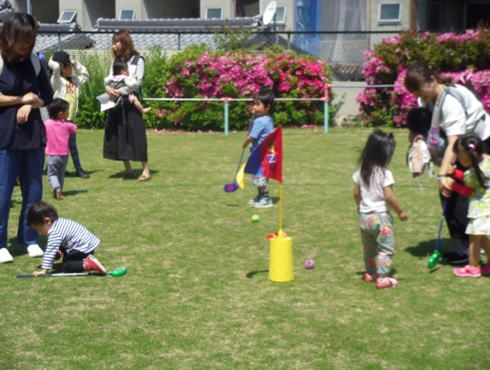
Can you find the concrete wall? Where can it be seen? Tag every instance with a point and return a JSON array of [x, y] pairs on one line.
[[171, 9], [47, 11], [19, 5], [94, 9], [250, 9]]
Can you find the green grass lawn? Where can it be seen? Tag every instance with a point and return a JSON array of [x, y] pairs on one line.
[[187, 302]]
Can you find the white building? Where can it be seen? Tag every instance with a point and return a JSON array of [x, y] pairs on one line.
[[373, 14]]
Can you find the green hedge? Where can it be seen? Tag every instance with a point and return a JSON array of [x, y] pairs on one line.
[[237, 74]]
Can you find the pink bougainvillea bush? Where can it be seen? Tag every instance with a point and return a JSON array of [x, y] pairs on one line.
[[200, 73], [463, 57]]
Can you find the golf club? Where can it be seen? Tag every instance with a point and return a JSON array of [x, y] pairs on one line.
[[436, 255], [233, 186], [117, 272]]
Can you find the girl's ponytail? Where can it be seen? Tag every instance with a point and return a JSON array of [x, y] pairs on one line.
[[474, 146]]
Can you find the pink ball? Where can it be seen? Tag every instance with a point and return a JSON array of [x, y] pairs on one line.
[[309, 264]]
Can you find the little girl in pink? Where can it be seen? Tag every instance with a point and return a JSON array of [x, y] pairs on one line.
[[58, 131]]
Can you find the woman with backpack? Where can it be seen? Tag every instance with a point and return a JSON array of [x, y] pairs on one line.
[[456, 111], [24, 88], [125, 133]]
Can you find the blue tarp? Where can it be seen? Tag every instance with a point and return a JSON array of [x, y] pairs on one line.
[[307, 18]]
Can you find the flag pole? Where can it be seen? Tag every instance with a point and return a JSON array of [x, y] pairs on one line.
[[280, 233]]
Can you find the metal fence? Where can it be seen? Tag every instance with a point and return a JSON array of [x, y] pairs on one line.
[[226, 107], [343, 51]]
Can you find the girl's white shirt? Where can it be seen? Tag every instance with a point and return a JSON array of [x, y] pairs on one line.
[[372, 194]]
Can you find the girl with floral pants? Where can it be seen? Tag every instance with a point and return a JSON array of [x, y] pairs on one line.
[[378, 242], [374, 196]]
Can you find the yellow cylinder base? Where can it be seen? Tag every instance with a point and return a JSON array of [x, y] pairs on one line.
[[281, 259]]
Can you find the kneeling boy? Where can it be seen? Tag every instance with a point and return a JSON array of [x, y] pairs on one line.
[[76, 243]]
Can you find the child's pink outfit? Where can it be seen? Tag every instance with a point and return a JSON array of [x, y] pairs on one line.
[[58, 133], [57, 150]]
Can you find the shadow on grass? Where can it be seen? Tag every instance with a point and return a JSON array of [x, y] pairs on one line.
[[275, 200], [132, 175], [393, 272], [426, 248], [70, 193], [74, 173], [251, 274], [19, 249]]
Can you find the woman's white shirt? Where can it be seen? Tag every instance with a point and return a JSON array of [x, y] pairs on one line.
[[455, 120]]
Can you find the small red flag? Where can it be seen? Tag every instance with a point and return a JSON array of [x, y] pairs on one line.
[[267, 157], [271, 153]]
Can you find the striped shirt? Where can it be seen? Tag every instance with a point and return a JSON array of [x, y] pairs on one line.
[[69, 235]]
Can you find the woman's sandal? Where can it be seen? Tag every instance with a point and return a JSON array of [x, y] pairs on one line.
[[144, 177]]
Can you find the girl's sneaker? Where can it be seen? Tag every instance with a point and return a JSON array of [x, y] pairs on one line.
[[386, 283], [485, 270], [369, 278], [469, 271]]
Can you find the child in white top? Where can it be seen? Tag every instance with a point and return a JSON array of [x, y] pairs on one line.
[[120, 78], [58, 132], [471, 154], [373, 194]]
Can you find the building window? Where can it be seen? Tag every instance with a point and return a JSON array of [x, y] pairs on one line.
[[280, 16], [214, 13], [390, 13], [67, 16], [126, 14]]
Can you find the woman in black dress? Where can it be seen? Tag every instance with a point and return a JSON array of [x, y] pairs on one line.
[[125, 133]]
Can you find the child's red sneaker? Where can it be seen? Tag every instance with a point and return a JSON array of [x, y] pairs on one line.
[[93, 264]]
